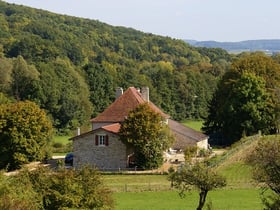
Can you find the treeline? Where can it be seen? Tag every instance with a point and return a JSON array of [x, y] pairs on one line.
[[71, 66]]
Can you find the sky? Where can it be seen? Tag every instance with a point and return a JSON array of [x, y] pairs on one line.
[[217, 20]]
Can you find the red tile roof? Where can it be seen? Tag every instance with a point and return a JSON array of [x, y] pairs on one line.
[[113, 128], [120, 108]]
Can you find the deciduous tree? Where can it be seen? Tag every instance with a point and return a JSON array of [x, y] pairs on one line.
[[148, 134], [25, 133], [199, 176], [244, 102]]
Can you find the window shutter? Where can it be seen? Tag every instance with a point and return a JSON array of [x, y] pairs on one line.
[[96, 140], [106, 140]]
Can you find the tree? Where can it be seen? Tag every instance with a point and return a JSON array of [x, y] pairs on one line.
[[145, 131], [244, 102], [25, 133], [64, 93], [199, 176], [5, 75], [23, 75], [265, 159]]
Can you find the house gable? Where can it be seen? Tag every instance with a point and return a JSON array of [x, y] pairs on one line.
[[101, 148], [120, 108]]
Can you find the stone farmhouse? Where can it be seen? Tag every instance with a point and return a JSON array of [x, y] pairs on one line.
[[101, 146]]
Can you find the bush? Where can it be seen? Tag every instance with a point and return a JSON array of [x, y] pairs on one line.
[[63, 189]]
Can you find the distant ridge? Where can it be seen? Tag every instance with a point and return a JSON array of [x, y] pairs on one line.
[[267, 45]]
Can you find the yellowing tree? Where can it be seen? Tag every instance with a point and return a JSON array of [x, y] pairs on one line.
[[25, 133]]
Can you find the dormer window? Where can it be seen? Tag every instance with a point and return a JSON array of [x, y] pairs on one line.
[[101, 140]]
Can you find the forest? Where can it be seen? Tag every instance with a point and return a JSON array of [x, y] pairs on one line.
[[71, 66]]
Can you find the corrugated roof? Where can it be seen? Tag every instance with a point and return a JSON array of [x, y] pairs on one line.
[[120, 108]]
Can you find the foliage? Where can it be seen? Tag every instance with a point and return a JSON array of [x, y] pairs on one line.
[[245, 101], [16, 192], [190, 152], [68, 52], [145, 131], [64, 93], [25, 133], [64, 189], [265, 159], [199, 176], [23, 76]]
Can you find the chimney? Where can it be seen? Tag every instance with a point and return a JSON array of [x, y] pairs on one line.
[[145, 93], [119, 92]]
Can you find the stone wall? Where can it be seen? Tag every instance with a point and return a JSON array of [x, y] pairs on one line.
[[111, 157]]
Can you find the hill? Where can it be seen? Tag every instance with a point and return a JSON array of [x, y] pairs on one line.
[[269, 46], [78, 63]]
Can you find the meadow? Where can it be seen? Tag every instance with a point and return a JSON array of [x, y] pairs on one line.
[[194, 124], [226, 199], [153, 192]]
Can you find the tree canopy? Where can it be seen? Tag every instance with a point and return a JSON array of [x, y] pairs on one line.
[[201, 177], [145, 131], [25, 133], [245, 101], [74, 63]]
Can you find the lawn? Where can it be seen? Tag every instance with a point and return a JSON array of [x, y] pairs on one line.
[[194, 124], [61, 145], [239, 199], [62, 139], [153, 192]]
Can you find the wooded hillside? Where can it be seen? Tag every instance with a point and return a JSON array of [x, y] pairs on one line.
[[71, 66]]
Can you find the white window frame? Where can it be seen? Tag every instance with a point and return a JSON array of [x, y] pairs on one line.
[[102, 140]]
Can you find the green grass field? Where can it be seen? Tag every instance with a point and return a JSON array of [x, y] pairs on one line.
[[61, 139], [153, 192], [194, 124], [61, 145], [240, 199]]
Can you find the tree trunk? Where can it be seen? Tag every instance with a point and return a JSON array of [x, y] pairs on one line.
[[202, 198]]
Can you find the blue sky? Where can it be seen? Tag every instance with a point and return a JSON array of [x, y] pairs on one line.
[[219, 20]]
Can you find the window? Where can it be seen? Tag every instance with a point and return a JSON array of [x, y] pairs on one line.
[[102, 140]]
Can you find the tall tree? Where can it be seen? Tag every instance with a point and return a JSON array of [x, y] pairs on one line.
[[6, 75], [64, 93], [25, 133], [23, 76], [244, 102], [147, 134]]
